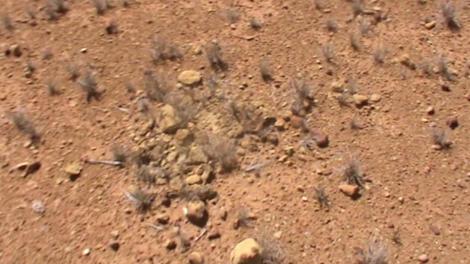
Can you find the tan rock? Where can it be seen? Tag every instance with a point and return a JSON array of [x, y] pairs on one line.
[[196, 258], [349, 189], [430, 25], [360, 99], [247, 252], [375, 98], [196, 212], [169, 121], [189, 77], [73, 169], [193, 179]]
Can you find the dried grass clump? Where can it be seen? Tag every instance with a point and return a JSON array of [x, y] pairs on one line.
[[163, 50]]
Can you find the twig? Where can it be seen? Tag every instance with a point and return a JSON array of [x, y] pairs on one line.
[[105, 162], [203, 232]]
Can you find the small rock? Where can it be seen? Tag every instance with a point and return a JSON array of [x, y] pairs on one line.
[[196, 212], [336, 87], [320, 138], [115, 234], [196, 258], [214, 234], [84, 50], [73, 170], [375, 98], [14, 50], [86, 251], [349, 189], [247, 252], [184, 137], [111, 27], [430, 25], [297, 122], [163, 219], [360, 100], [169, 121], [405, 60], [430, 110], [38, 207], [278, 234], [114, 245], [189, 77], [452, 122], [197, 155], [170, 244], [193, 179], [423, 258], [280, 124]]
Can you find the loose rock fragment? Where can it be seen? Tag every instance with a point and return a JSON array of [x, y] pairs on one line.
[[349, 189], [189, 77], [247, 252]]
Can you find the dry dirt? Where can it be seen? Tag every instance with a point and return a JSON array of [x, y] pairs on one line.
[[415, 198]]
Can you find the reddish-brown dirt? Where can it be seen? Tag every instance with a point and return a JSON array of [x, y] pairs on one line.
[[415, 199]]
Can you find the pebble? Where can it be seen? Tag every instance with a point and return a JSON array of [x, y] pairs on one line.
[[193, 179], [170, 244], [375, 98], [349, 189], [196, 212], [114, 245], [430, 25], [196, 258], [423, 258], [452, 122], [360, 100], [86, 251], [247, 252], [430, 110], [38, 207], [189, 77]]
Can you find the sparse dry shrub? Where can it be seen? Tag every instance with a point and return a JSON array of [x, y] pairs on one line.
[[52, 88], [244, 218], [246, 116], [141, 199], [375, 253], [100, 6], [332, 26], [73, 71], [156, 87], [303, 97], [232, 15], [221, 150], [214, 56], [272, 249], [24, 125], [90, 86], [379, 54], [163, 50], [328, 51], [265, 70], [255, 24], [440, 138], [355, 41], [6, 22], [119, 153], [322, 198], [357, 7], [450, 16], [352, 172], [365, 27], [443, 68], [184, 106]]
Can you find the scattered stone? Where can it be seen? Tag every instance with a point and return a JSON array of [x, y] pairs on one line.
[[214, 234], [170, 244], [280, 124], [320, 138], [430, 110], [189, 77], [111, 27], [115, 234], [114, 245], [170, 121], [193, 179], [196, 212], [196, 258], [360, 100], [197, 155], [73, 170], [349, 189], [375, 98], [38, 207], [452, 122], [184, 137], [278, 235], [83, 50], [405, 60], [163, 219], [297, 122], [14, 50], [430, 25], [336, 87], [86, 251], [247, 252], [423, 258]]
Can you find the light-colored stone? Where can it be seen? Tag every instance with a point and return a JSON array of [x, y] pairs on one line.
[[430, 25], [193, 179], [197, 155], [360, 99], [189, 77], [375, 98], [73, 169], [423, 258], [349, 189], [169, 121], [86, 252], [196, 258], [196, 212], [247, 252], [38, 207]]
